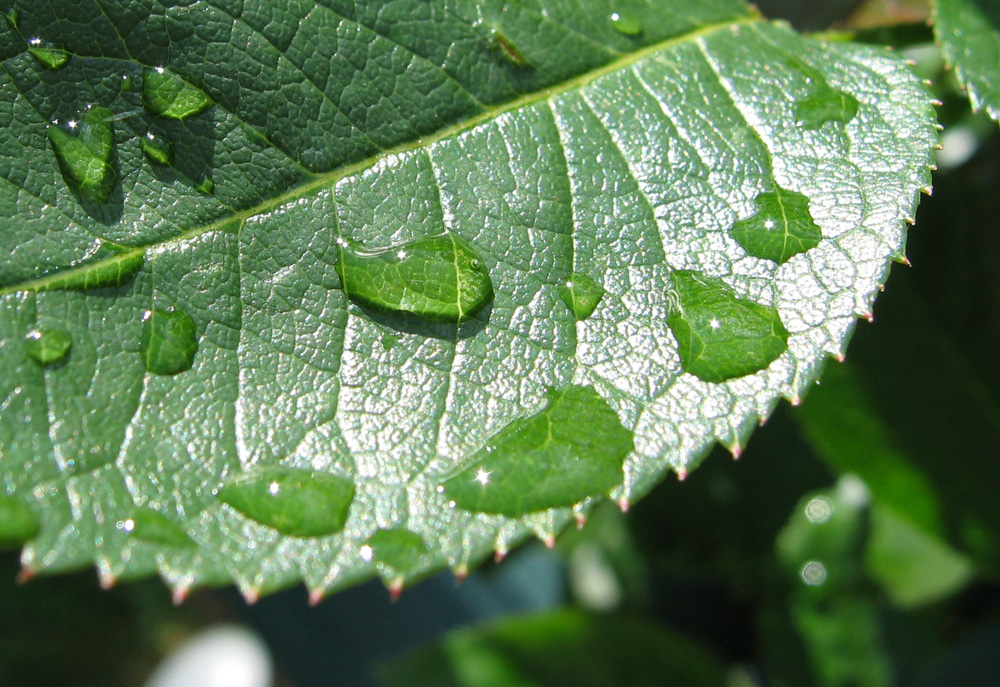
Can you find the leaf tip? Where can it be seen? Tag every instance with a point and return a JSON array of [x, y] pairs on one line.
[[106, 579], [736, 450], [549, 540], [315, 597], [180, 594], [623, 504], [682, 474], [461, 573], [581, 520], [395, 589], [26, 575]]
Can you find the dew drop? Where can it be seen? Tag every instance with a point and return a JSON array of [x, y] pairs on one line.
[[781, 228], [169, 341], [570, 450], [814, 573], [117, 270], [158, 150], [399, 550], [626, 23], [154, 527], [581, 294], [18, 523], [389, 341], [49, 57], [299, 503], [165, 94], [85, 150], [440, 279], [720, 335], [205, 184], [126, 84], [824, 104], [47, 345], [509, 50]]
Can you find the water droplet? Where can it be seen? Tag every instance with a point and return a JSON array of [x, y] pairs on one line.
[[85, 150], [165, 94], [158, 150], [581, 294], [509, 50], [626, 23], [436, 280], [117, 270], [825, 104], [299, 503], [571, 449], [47, 345], [49, 57], [152, 526], [205, 184], [399, 550], [389, 341], [169, 341], [126, 84], [18, 523], [720, 335], [781, 228]]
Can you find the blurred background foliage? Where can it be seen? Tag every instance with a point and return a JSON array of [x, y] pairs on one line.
[[855, 544]]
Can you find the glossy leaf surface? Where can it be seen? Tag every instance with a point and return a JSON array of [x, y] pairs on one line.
[[620, 155]]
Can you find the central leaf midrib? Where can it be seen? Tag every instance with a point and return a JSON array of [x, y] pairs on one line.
[[332, 177]]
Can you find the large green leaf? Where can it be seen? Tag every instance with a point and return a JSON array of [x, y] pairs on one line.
[[969, 33], [256, 144]]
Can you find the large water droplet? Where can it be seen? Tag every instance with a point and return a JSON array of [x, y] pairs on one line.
[[50, 57], [18, 523], [152, 526], [85, 150], [165, 94], [47, 345], [781, 228], [626, 23], [158, 150], [571, 449], [397, 549], [582, 294], [299, 503], [169, 341], [117, 270], [440, 278], [720, 335], [825, 104]]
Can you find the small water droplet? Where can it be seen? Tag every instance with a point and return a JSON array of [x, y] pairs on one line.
[[18, 522], [781, 228], [49, 57], [626, 23], [205, 184], [152, 526], [508, 49], [126, 84], [165, 94], [399, 550], [85, 152], [436, 280], [389, 341], [117, 270], [47, 345], [819, 510], [581, 294], [306, 504], [570, 450], [158, 150], [169, 341], [823, 103], [719, 335]]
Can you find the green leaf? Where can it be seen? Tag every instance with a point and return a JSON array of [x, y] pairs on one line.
[[969, 34], [623, 156], [563, 648]]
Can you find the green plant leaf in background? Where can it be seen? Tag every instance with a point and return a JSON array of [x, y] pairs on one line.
[[969, 34], [538, 141]]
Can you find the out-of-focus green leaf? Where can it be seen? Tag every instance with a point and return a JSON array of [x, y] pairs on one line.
[[560, 649], [969, 34]]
